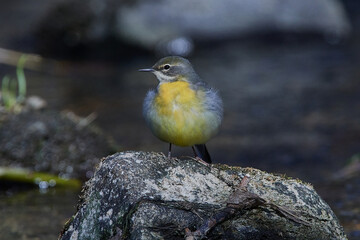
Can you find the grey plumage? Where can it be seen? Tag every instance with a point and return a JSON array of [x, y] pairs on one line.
[[172, 69]]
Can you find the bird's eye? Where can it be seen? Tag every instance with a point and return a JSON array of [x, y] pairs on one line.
[[166, 66]]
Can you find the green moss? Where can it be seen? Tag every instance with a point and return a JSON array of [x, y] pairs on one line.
[[22, 175]]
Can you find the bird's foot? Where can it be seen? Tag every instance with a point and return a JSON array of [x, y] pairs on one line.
[[199, 160]]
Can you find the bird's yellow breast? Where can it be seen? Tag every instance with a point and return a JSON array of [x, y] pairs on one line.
[[180, 117], [173, 95]]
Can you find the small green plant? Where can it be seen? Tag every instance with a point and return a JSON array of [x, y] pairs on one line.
[[13, 91]]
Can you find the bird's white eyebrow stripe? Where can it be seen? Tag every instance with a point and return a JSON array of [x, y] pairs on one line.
[[163, 77]]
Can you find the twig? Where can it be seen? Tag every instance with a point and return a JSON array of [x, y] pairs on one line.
[[240, 199], [292, 215], [11, 58]]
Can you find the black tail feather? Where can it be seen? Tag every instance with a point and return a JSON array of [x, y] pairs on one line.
[[202, 152]]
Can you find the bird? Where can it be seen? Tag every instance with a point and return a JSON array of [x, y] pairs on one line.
[[182, 110]]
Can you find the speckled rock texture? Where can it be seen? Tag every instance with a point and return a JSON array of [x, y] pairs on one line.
[[138, 195]]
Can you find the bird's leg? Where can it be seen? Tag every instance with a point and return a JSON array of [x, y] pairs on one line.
[[198, 159], [194, 151], [169, 154]]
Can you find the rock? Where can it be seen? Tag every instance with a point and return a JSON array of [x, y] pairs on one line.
[[172, 25], [35, 103], [47, 141], [149, 23], [137, 195]]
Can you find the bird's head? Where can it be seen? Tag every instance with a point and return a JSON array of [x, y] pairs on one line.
[[173, 68]]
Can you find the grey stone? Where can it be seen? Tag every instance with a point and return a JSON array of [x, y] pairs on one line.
[[150, 22], [172, 26], [138, 195]]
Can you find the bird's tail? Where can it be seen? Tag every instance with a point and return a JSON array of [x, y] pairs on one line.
[[202, 152]]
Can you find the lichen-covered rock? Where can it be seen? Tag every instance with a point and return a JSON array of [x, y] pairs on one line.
[[137, 195], [48, 141]]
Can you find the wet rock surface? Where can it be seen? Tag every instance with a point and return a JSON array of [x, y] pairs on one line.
[[47, 141], [138, 195]]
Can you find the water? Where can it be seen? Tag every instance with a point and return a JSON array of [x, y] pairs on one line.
[[35, 214]]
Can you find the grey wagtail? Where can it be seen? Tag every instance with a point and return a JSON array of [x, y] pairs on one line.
[[182, 110]]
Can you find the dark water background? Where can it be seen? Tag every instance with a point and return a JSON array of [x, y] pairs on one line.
[[292, 106]]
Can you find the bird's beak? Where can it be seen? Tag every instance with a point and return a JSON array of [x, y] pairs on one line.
[[146, 70]]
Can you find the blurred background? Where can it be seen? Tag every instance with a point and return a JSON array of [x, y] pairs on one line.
[[288, 73]]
